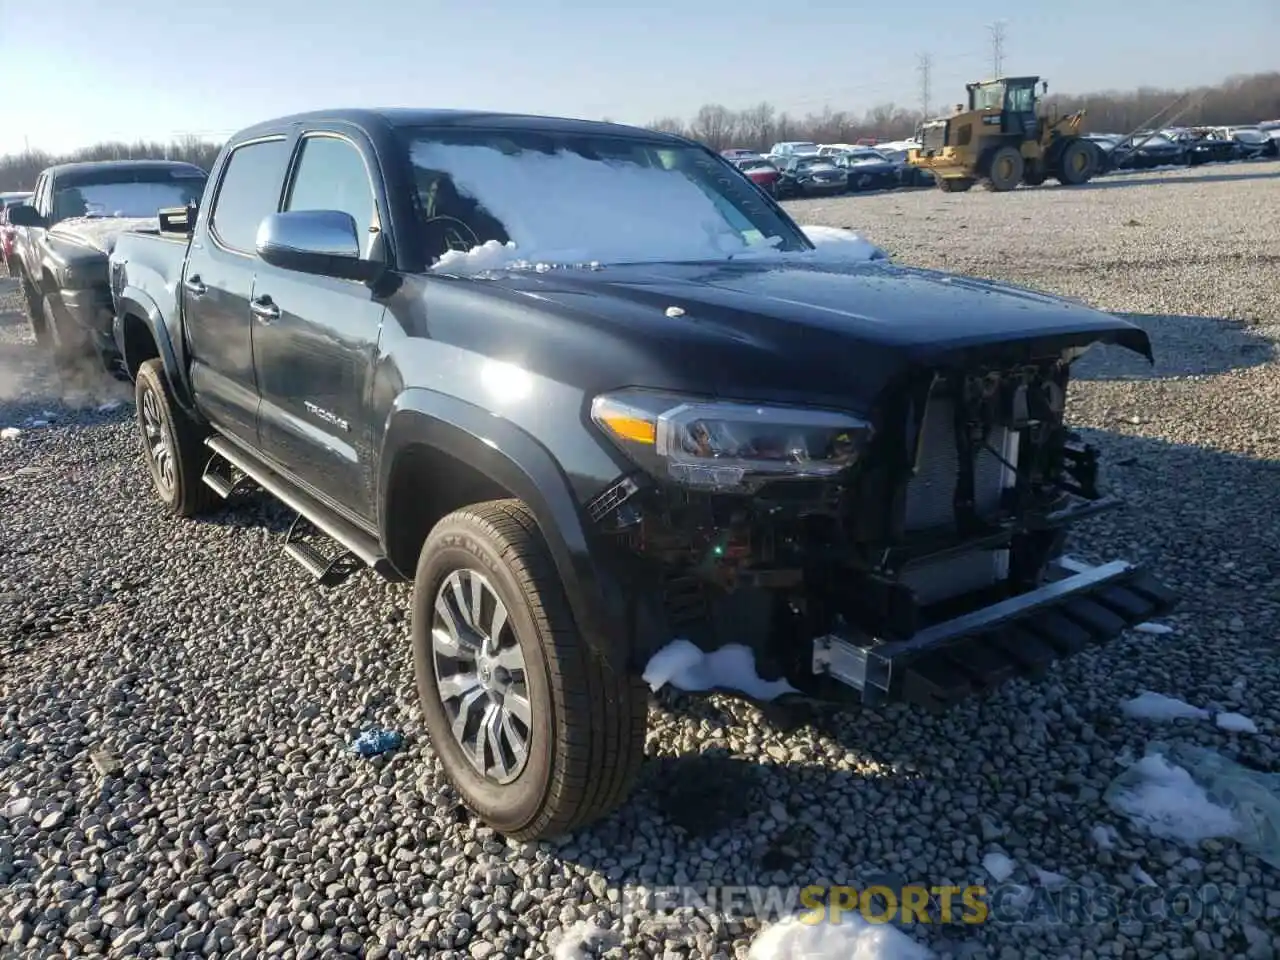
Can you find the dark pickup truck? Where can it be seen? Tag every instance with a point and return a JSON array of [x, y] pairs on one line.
[[65, 234], [591, 391]]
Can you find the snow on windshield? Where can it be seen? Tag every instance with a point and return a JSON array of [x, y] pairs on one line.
[[124, 199], [565, 208]]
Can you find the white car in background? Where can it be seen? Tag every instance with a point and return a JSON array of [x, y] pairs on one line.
[[785, 150]]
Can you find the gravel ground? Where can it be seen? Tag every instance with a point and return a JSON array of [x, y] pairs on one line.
[[241, 825]]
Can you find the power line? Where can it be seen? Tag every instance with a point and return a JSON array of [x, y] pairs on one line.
[[925, 66], [997, 47]]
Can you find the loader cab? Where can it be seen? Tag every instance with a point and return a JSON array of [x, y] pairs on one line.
[[1010, 102]]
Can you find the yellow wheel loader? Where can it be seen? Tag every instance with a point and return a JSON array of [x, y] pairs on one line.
[[1003, 139]]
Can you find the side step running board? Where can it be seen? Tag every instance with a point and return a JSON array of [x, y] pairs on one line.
[[976, 652], [359, 548]]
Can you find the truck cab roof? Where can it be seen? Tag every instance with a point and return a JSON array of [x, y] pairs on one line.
[[90, 167], [391, 117]]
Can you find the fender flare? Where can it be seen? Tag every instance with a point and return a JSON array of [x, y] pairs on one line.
[[133, 301], [503, 451]]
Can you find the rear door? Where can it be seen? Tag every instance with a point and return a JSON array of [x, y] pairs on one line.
[[314, 337], [217, 284]]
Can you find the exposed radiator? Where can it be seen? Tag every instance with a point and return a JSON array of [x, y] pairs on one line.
[[930, 503], [931, 492]]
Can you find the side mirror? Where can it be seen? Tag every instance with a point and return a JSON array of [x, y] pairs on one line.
[[25, 215], [321, 242]]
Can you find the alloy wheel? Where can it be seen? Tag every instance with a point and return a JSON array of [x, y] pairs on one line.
[[159, 445], [481, 676]]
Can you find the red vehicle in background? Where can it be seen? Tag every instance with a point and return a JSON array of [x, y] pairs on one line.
[[760, 172], [8, 233]]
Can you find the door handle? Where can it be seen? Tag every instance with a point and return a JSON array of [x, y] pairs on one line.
[[264, 309], [195, 286]]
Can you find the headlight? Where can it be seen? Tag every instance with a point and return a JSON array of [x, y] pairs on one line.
[[729, 446]]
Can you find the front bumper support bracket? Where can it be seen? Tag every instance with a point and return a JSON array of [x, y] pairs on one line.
[[1079, 606]]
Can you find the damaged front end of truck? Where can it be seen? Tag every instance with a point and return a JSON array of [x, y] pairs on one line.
[[914, 552]]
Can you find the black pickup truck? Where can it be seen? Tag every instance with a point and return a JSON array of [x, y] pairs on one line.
[[590, 390], [65, 234]]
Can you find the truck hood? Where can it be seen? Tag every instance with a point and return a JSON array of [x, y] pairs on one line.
[[98, 233], [786, 326]]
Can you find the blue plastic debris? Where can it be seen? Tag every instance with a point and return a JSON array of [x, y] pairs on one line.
[[376, 741]]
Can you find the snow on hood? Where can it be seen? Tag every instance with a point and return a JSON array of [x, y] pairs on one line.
[[563, 209], [101, 232], [832, 245]]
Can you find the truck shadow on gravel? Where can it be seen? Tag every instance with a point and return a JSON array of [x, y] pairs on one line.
[[1184, 346]]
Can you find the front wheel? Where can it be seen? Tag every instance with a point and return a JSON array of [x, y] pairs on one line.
[[533, 730], [1077, 163], [1004, 170]]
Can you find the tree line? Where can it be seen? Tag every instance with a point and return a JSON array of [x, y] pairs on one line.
[[1237, 100]]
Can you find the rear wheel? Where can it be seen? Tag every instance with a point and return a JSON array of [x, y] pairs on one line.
[[954, 184], [534, 731], [1077, 162], [172, 444], [1005, 170]]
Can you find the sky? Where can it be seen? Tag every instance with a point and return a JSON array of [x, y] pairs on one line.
[[84, 71]]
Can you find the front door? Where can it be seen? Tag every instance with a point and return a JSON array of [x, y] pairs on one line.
[[315, 339], [218, 283]]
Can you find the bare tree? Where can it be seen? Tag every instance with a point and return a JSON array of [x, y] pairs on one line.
[[715, 125]]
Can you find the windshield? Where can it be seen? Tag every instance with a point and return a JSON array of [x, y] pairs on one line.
[[756, 165], [815, 164], [990, 97], [571, 198], [135, 193], [1250, 136]]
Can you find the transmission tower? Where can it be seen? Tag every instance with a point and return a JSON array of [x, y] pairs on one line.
[[997, 47], [925, 66]]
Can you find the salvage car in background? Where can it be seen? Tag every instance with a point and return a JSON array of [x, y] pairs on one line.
[[65, 235], [1252, 143], [760, 172], [581, 442], [811, 176], [908, 175], [867, 169], [779, 153], [1204, 146], [9, 233], [1145, 151]]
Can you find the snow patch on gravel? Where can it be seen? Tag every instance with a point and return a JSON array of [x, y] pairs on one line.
[[1168, 803], [1235, 723], [999, 865], [730, 667], [1157, 706], [851, 939]]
